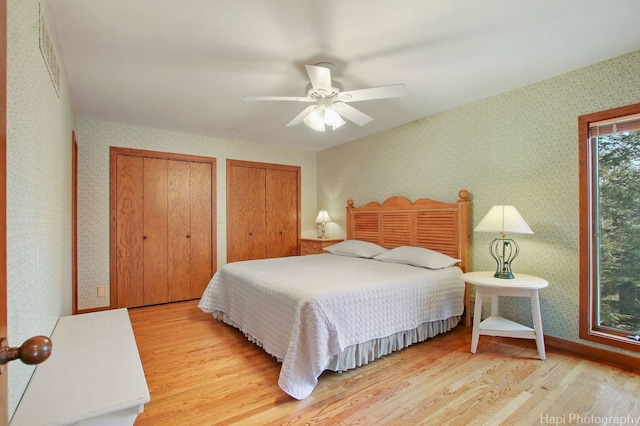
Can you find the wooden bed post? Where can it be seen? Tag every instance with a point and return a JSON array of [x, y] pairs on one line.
[[349, 225], [464, 235], [464, 230]]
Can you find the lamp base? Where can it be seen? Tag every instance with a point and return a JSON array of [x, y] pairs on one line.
[[507, 275], [504, 251]]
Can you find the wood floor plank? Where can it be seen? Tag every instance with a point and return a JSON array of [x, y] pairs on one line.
[[203, 372]]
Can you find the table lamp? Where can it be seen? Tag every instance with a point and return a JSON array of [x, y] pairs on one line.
[[503, 219], [323, 217]]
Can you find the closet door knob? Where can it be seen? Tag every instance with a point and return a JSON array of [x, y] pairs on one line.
[[144, 237]]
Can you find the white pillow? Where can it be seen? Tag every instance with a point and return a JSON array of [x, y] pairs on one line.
[[356, 248], [417, 256]]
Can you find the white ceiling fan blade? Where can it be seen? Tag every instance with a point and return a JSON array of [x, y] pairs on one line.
[[394, 91], [352, 114], [300, 117], [320, 77], [278, 98]]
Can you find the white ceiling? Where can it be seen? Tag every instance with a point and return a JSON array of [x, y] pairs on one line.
[[184, 65]]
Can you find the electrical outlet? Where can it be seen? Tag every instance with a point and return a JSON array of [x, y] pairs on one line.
[[102, 291]]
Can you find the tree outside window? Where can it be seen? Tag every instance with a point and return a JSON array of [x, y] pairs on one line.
[[610, 227]]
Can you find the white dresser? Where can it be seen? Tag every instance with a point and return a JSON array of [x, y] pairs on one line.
[[93, 377]]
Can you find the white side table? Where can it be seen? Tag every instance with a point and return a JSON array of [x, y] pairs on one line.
[[522, 285]]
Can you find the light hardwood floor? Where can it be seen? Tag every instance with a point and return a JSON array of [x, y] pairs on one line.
[[202, 372]]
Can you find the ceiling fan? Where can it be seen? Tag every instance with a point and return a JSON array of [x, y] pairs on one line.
[[331, 103]]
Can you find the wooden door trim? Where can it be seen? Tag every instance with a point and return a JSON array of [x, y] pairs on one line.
[[161, 155], [74, 223], [258, 165], [113, 154], [4, 404]]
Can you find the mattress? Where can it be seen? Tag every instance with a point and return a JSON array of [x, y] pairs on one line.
[[307, 310]]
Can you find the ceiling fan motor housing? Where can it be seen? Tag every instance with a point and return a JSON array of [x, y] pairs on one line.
[[336, 88]]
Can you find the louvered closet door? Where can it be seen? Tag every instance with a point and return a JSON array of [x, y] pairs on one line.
[[129, 231], [201, 252], [245, 213], [156, 284], [281, 213]]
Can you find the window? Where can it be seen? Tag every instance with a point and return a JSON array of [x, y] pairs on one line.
[[609, 150]]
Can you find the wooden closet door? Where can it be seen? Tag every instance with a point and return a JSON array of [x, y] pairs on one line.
[[162, 216], [281, 213], [129, 249], [179, 245], [156, 284], [245, 213], [201, 220]]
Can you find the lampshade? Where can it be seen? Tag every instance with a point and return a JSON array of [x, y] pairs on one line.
[[323, 217], [503, 219]]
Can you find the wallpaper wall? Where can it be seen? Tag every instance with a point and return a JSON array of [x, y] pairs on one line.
[[518, 148], [39, 125], [95, 138]]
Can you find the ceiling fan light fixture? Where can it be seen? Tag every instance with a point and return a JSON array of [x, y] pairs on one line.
[[332, 118], [322, 116], [315, 120], [331, 102]]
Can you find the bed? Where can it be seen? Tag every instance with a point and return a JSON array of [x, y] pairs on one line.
[[396, 280]]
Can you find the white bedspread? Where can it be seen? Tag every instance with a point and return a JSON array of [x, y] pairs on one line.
[[305, 309]]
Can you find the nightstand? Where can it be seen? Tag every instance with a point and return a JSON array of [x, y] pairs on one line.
[[522, 286], [316, 245]]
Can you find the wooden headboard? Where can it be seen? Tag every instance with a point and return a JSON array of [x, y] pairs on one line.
[[435, 225]]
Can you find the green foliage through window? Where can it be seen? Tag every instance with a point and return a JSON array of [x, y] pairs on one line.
[[618, 214]]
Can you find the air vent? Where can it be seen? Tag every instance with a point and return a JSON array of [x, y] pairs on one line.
[[47, 47]]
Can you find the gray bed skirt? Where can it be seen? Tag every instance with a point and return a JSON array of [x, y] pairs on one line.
[[363, 353]]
